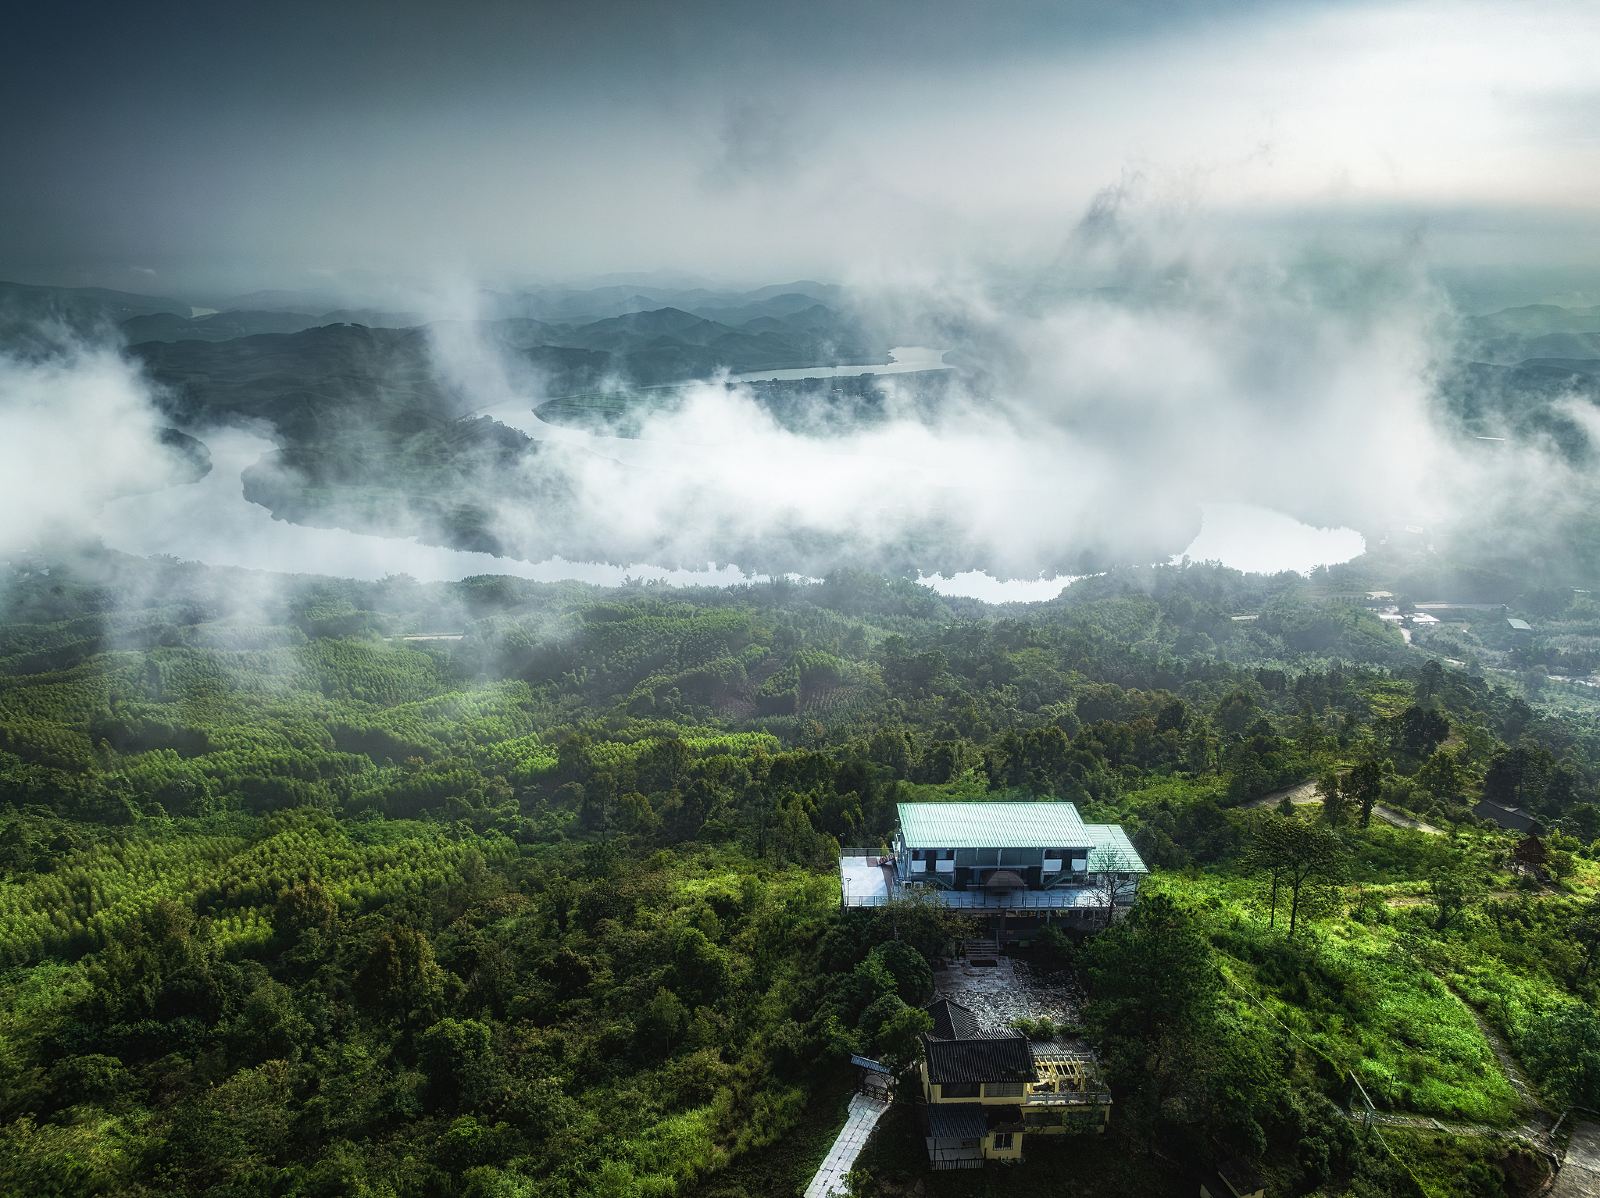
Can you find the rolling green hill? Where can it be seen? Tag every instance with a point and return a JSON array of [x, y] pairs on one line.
[[289, 903]]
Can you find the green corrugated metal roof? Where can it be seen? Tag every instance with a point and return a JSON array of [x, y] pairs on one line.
[[1111, 849], [991, 826]]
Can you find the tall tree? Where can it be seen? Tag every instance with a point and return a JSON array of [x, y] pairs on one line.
[[1335, 809], [1455, 883], [1265, 856], [1153, 998], [1364, 784], [1114, 881], [1585, 932], [1420, 730], [1303, 862], [1440, 776]]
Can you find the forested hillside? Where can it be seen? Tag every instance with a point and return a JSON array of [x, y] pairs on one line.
[[542, 900]]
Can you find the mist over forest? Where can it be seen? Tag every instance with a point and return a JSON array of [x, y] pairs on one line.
[[894, 601], [1060, 423]]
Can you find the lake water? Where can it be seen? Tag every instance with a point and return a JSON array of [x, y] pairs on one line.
[[903, 359], [1261, 541], [211, 521], [1240, 535]]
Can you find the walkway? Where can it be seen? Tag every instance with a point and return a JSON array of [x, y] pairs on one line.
[[863, 1117], [1580, 1173]]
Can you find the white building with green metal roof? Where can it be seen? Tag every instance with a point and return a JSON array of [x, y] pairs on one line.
[[1031, 857]]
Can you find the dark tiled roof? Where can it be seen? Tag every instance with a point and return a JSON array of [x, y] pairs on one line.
[[956, 1121], [1512, 818], [993, 1059], [952, 1021]]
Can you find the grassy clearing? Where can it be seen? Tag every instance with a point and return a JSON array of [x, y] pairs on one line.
[[782, 1169], [1356, 998], [1364, 1005], [1447, 1166]]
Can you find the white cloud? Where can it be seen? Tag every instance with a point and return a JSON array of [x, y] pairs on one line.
[[76, 430], [1212, 375]]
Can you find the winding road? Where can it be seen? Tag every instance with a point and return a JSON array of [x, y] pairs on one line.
[[1305, 795]]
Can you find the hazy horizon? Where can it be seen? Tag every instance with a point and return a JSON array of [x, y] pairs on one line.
[[326, 146], [1179, 255]]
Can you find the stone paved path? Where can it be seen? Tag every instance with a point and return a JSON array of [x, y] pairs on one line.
[[1580, 1175], [863, 1117]]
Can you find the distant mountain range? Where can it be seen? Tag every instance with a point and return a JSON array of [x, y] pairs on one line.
[[225, 326], [585, 305], [669, 333], [29, 313], [1536, 320], [374, 435], [292, 376], [573, 305], [1535, 331], [315, 372], [1527, 367], [312, 385]]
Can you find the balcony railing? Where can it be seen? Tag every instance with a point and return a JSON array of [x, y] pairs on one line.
[[1072, 1098], [1062, 899]]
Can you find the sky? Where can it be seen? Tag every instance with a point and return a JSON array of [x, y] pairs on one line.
[[1192, 256], [207, 150]]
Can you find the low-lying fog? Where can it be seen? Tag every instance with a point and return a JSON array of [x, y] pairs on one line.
[[212, 522], [1150, 395]]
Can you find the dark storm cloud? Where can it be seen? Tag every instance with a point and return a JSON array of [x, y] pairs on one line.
[[761, 141], [217, 148]]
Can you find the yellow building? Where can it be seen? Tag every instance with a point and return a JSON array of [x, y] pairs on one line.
[[985, 1094]]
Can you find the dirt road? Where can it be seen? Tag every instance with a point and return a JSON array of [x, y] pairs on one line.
[[1305, 794]]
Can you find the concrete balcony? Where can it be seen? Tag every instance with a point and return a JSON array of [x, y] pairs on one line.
[[870, 880]]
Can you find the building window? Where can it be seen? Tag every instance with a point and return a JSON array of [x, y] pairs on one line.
[[1003, 1090], [1002, 1141], [959, 1090]]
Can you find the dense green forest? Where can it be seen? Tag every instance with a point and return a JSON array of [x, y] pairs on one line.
[[544, 902]]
